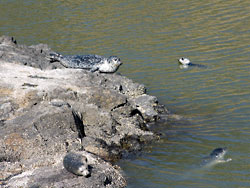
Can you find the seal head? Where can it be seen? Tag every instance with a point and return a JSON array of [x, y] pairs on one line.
[[184, 61], [109, 65], [218, 153]]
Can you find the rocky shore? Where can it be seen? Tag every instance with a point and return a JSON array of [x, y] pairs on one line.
[[47, 110]]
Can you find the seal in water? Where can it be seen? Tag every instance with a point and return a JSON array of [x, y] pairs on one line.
[[185, 63], [91, 62], [76, 164], [217, 156]]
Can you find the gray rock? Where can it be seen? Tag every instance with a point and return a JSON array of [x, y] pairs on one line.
[[55, 175], [34, 56], [46, 112]]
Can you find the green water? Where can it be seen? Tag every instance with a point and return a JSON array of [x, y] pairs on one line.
[[149, 37]]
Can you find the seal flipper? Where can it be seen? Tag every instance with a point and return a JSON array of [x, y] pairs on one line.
[[94, 69]]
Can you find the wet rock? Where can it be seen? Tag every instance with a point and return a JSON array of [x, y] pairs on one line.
[[46, 112]]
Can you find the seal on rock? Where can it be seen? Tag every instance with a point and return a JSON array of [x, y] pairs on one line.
[[76, 164], [90, 62], [185, 63]]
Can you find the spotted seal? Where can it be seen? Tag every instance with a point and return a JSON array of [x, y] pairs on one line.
[[90, 62], [216, 156], [185, 63], [76, 164]]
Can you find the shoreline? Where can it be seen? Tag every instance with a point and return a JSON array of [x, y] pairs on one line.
[[48, 110]]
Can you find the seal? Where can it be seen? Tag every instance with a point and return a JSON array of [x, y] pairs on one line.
[[76, 164], [185, 63], [216, 156], [90, 62]]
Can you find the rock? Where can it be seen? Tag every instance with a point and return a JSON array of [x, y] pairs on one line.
[[145, 105], [34, 56], [103, 174], [46, 111]]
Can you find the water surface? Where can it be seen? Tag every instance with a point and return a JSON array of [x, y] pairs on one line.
[[149, 37]]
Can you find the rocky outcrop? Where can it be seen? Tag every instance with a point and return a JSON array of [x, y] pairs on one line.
[[47, 110]]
